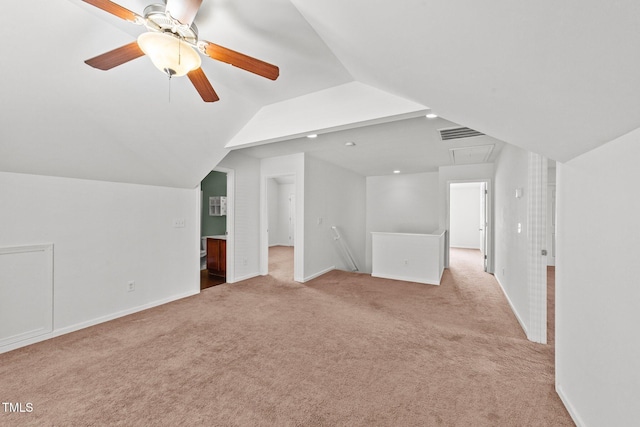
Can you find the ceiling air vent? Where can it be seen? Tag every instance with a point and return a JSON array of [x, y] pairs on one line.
[[457, 133]]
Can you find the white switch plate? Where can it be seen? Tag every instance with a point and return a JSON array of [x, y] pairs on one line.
[[178, 223]]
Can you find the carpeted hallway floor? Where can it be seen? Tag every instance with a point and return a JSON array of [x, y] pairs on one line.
[[343, 349]]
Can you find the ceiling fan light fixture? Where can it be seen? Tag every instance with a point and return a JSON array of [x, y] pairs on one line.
[[169, 54]]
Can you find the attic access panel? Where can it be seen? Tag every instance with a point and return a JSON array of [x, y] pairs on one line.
[[470, 155]]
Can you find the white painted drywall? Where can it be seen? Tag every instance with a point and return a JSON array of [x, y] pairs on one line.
[[333, 197], [464, 217], [284, 192], [348, 105], [278, 211], [405, 203], [597, 286], [407, 256], [511, 247], [246, 214], [277, 166], [104, 234], [272, 211]]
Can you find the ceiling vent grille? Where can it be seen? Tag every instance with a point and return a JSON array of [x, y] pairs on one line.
[[458, 133]]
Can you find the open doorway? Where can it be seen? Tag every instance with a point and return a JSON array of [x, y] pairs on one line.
[[469, 222], [551, 251], [216, 228], [281, 220]]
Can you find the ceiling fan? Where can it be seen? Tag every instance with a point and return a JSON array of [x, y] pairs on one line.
[[171, 41]]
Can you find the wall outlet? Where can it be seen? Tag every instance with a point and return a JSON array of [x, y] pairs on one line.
[[131, 286], [245, 261], [178, 223]]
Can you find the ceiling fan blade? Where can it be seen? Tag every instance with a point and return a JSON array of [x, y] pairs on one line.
[[241, 60], [116, 57], [202, 85], [184, 11], [114, 9]]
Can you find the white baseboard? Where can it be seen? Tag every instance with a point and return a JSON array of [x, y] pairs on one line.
[[245, 277], [318, 274], [513, 308], [93, 322], [408, 279], [465, 247], [572, 411]]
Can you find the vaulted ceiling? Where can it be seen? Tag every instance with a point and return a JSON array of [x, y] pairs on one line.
[[557, 78]]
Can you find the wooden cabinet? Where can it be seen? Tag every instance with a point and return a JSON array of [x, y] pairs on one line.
[[217, 257], [217, 206]]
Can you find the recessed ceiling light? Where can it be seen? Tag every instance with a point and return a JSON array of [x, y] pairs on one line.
[[350, 144], [313, 135], [431, 116], [396, 171]]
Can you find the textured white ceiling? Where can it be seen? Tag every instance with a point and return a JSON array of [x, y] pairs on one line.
[[411, 145], [555, 78]]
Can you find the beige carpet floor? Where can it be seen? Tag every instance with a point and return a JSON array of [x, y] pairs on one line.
[[342, 350]]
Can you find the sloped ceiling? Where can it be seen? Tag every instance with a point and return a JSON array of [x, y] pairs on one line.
[[555, 78]]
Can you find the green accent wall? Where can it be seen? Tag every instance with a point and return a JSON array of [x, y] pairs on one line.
[[214, 184]]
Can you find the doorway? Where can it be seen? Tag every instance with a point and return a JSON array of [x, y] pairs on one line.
[[469, 220], [216, 228], [281, 220]]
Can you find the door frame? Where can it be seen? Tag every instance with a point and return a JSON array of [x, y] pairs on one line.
[[489, 264], [298, 237], [231, 247]]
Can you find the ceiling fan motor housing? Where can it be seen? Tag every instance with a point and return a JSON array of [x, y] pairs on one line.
[[157, 19]]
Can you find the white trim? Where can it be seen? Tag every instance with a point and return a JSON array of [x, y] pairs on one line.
[[245, 277], [407, 279], [318, 274], [570, 408], [513, 308], [96, 321], [47, 325]]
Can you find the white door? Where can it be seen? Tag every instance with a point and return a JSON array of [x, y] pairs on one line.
[[292, 218], [483, 223]]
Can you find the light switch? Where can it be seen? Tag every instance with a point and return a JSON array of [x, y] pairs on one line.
[[178, 223]]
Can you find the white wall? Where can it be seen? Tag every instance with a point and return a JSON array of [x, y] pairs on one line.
[[284, 192], [405, 203], [511, 247], [104, 234], [333, 196], [464, 217], [273, 196], [278, 211], [277, 166], [597, 285], [246, 214]]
